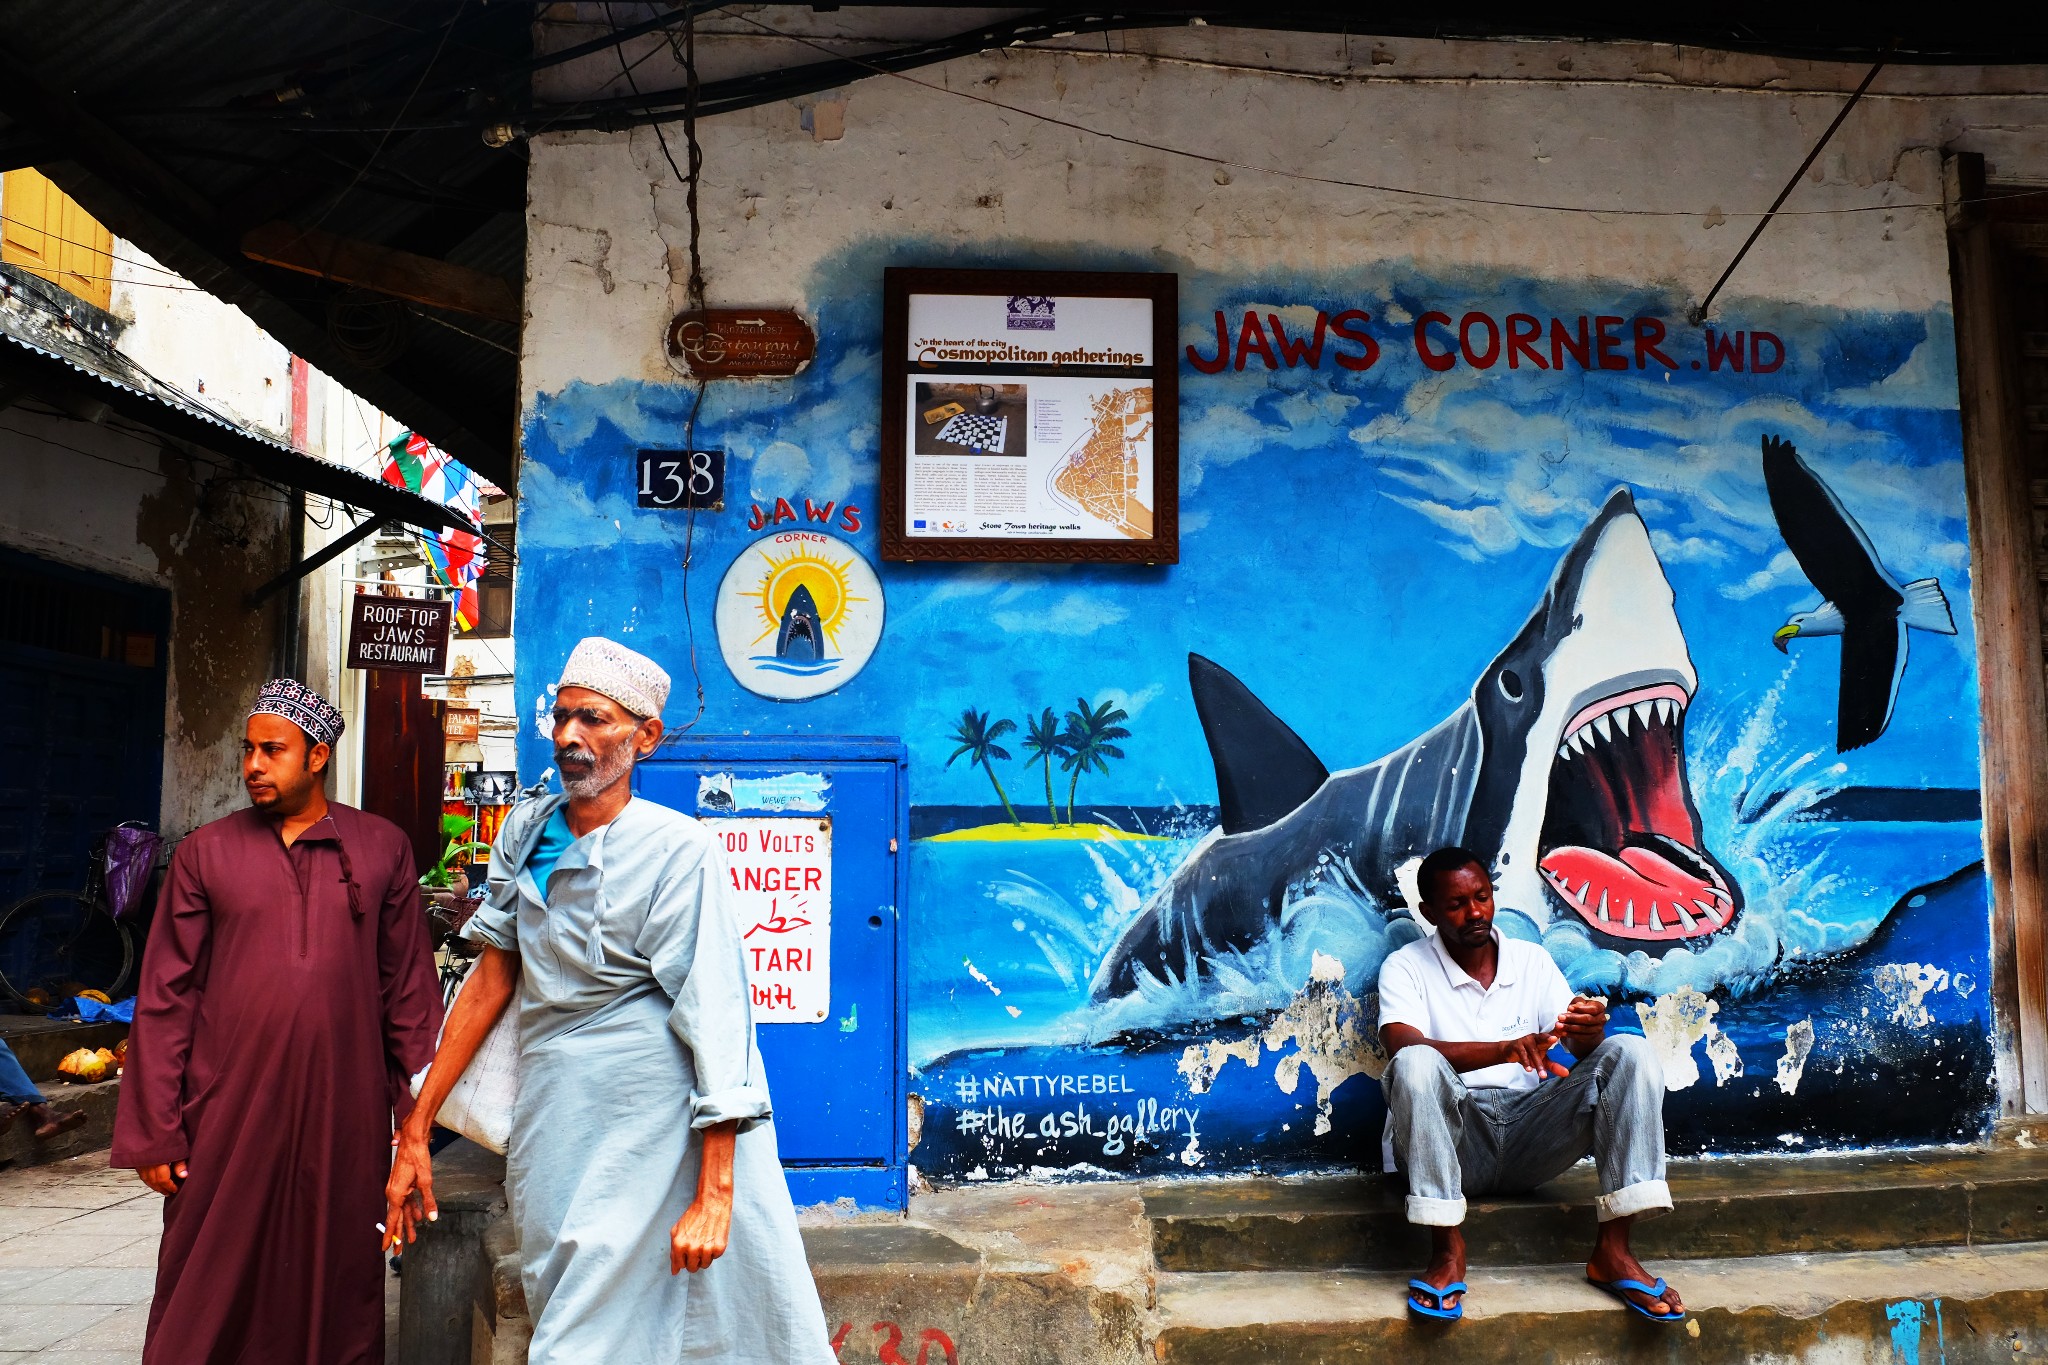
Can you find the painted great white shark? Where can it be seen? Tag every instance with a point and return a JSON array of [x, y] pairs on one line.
[[1565, 770]]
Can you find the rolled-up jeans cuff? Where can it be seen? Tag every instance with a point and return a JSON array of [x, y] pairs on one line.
[[1645, 1196], [1435, 1213]]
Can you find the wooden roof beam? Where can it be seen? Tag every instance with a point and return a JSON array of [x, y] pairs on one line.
[[125, 188], [384, 270]]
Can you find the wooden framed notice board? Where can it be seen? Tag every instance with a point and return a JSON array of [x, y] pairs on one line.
[[1030, 415]]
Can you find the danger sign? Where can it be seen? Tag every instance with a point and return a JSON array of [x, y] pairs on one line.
[[781, 884]]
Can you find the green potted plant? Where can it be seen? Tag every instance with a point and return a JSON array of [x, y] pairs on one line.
[[441, 876]]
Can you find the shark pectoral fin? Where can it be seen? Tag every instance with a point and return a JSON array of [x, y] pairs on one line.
[[1263, 769], [1926, 607]]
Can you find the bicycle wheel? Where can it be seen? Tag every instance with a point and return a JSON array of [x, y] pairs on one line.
[[58, 944]]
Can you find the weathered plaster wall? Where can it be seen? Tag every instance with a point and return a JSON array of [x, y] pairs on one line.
[[102, 499], [1520, 122], [1358, 547], [193, 341]]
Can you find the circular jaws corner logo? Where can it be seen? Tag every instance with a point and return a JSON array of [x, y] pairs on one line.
[[799, 614]]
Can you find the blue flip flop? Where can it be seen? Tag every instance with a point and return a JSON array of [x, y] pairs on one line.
[[1652, 1291], [1435, 1308]]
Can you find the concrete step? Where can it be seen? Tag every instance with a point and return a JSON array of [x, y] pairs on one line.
[[1022, 1275], [1754, 1206], [1959, 1306], [39, 1044], [18, 1146]]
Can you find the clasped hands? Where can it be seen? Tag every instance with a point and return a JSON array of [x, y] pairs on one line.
[[1583, 1022]]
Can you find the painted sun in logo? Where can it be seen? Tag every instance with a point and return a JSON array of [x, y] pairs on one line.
[[827, 580]]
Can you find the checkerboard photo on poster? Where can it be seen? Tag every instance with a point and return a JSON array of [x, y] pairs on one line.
[[968, 418]]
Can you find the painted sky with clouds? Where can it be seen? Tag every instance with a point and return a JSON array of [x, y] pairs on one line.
[[1356, 546]]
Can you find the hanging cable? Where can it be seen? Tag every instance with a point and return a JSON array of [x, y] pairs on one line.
[[876, 68], [693, 289], [1699, 315]]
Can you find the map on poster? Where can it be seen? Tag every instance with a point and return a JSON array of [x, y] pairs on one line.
[[1030, 418], [780, 872]]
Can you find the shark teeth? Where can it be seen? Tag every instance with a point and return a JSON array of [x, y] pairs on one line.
[[1621, 720]]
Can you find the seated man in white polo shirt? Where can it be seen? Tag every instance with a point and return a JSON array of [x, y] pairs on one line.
[[1477, 1106]]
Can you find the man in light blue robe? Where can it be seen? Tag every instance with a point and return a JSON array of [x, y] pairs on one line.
[[642, 1144]]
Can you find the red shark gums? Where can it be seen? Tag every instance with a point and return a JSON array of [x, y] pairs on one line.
[[1621, 840]]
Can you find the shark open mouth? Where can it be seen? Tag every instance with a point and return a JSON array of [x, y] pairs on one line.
[[1621, 844]]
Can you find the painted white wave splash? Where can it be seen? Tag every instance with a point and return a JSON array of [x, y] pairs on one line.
[[1754, 792]]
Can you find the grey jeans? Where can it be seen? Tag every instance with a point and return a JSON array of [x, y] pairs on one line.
[[1454, 1141]]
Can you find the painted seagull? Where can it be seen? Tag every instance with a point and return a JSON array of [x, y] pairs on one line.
[[1564, 768], [1862, 603]]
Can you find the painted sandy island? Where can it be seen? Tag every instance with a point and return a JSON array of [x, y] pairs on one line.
[[1033, 833]]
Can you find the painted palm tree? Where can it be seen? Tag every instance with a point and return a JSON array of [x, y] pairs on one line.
[[1046, 743], [977, 735], [1087, 738]]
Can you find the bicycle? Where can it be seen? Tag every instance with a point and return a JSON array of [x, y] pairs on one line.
[[454, 956], [55, 945]]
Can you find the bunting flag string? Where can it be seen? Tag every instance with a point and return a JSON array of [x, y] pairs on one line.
[[456, 557]]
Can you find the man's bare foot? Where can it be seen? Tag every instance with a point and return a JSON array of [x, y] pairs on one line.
[[1446, 1263], [1612, 1260]]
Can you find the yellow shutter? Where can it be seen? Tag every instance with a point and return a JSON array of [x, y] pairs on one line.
[[44, 230]]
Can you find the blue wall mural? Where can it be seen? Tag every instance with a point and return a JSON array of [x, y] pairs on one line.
[[1673, 623]]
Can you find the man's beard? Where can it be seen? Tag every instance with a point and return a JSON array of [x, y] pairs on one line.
[[597, 777]]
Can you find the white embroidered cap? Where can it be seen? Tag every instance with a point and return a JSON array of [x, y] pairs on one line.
[[632, 680]]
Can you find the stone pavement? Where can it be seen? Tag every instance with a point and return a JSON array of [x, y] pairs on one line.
[[78, 1262]]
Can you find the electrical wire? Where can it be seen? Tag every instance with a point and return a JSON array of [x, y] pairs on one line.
[[93, 247], [473, 336], [224, 470], [1439, 196], [1699, 314], [189, 400], [377, 151], [44, 272], [694, 289]]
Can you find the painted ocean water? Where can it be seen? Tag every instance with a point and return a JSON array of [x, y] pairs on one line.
[[1006, 1041]]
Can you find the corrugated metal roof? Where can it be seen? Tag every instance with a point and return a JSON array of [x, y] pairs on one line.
[[221, 118], [60, 358], [185, 123]]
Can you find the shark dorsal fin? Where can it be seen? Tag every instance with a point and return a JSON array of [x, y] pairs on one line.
[[1263, 769]]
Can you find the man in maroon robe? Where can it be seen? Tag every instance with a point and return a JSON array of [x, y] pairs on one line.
[[288, 993]]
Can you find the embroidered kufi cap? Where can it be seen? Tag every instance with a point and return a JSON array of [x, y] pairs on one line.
[[632, 680], [303, 707]]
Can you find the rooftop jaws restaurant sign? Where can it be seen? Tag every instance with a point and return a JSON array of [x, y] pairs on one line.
[[399, 634]]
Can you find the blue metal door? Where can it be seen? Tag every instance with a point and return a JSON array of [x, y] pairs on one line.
[[82, 677], [813, 828]]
